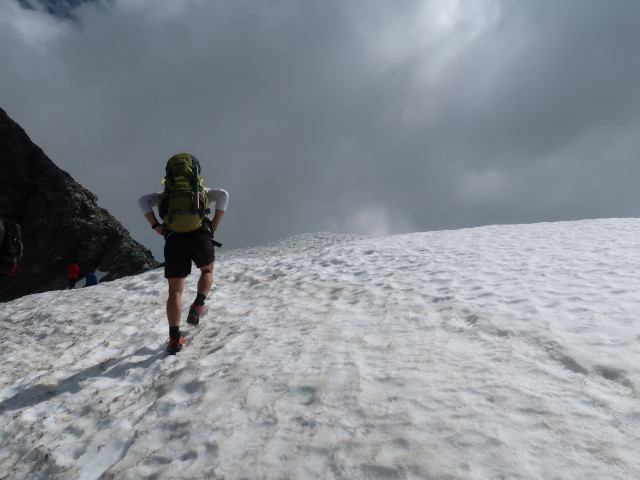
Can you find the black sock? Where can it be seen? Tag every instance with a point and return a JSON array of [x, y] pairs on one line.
[[174, 332], [200, 298]]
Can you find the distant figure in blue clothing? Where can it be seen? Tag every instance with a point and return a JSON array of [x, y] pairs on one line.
[[91, 278]]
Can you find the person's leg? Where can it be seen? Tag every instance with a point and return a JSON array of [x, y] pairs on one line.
[[176, 268], [174, 312], [203, 254], [206, 280], [204, 286], [174, 301]]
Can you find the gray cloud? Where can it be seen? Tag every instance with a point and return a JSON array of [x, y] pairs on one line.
[[355, 116]]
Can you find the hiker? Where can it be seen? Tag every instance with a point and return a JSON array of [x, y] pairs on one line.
[[73, 271], [188, 232], [91, 279]]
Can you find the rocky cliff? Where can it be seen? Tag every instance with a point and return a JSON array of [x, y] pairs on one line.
[[60, 219]]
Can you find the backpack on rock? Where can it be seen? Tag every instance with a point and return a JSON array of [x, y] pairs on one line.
[[183, 203], [10, 246]]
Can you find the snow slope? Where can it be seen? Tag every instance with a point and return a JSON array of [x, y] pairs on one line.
[[494, 352]]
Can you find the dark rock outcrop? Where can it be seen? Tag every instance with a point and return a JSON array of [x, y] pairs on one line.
[[60, 219]]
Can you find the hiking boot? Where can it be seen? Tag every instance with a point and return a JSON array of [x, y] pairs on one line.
[[174, 346], [194, 314]]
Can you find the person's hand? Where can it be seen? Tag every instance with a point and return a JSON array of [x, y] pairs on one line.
[[215, 222], [208, 220], [159, 229]]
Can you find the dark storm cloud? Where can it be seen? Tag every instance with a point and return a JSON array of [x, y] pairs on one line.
[[352, 116]]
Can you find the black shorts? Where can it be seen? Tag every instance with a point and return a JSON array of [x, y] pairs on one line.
[[180, 249]]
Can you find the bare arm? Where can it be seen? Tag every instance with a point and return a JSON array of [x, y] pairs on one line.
[[146, 204], [151, 218], [216, 219]]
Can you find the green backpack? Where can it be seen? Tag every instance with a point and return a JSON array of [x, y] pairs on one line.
[[183, 203]]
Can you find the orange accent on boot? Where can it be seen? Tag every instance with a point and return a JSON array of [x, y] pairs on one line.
[[173, 346]]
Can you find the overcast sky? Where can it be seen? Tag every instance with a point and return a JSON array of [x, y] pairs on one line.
[[355, 116]]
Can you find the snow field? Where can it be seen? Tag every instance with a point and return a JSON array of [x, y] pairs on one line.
[[495, 352]]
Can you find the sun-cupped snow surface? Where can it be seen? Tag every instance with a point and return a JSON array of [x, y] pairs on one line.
[[493, 352]]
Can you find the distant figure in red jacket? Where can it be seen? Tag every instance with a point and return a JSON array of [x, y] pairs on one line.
[[73, 271]]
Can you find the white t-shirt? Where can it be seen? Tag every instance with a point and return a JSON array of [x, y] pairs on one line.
[[215, 196]]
